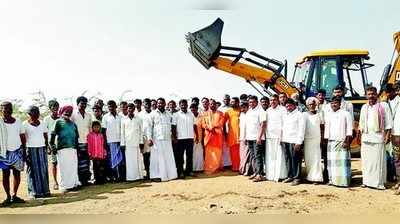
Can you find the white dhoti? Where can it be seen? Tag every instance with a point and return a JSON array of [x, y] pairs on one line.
[[67, 162], [275, 160], [162, 162], [198, 157], [312, 158], [373, 164], [134, 163]]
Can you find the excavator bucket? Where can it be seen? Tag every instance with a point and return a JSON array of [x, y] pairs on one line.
[[205, 44]]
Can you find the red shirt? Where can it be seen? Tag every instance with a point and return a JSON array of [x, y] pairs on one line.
[[96, 148]]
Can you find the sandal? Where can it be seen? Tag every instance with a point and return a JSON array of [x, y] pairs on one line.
[[55, 187], [6, 202], [16, 199]]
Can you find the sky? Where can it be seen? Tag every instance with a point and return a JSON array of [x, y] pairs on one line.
[[107, 48]]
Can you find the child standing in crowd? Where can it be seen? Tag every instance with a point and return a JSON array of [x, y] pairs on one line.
[[36, 158], [67, 140], [97, 152], [50, 122]]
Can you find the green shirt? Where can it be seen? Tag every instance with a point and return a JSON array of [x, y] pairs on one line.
[[67, 134]]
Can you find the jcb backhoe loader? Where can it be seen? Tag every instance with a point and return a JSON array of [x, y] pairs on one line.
[[317, 70]]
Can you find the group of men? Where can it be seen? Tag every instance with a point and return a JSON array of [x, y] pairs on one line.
[[265, 140]]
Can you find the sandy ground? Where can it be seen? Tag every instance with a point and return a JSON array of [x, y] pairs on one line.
[[225, 193]]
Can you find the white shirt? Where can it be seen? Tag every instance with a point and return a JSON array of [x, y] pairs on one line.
[[275, 122], [338, 125], [376, 137], [184, 124], [293, 127], [113, 127], [131, 131], [84, 125], [344, 105], [313, 125], [242, 124], [146, 120], [50, 123], [161, 125], [34, 134], [254, 118], [14, 131], [395, 109]]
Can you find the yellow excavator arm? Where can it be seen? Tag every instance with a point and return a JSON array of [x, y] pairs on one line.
[[205, 46], [391, 73], [256, 74]]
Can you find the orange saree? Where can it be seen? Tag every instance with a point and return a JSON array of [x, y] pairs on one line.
[[213, 123]]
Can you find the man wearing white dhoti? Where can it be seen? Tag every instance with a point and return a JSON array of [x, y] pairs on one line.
[[375, 125], [132, 139], [312, 141], [338, 132], [162, 162], [275, 157], [226, 156]]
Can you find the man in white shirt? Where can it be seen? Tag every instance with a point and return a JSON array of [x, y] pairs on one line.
[[292, 140], [146, 119], [185, 130], [132, 140], [123, 109], [375, 125], [338, 132], [226, 156], [162, 162], [138, 106], [50, 122], [255, 133], [83, 122], [111, 125], [15, 154], [345, 105], [392, 156], [323, 108], [275, 155], [394, 103]]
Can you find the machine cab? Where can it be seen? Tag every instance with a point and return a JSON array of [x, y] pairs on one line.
[[327, 69]]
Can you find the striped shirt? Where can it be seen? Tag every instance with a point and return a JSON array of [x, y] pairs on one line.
[[96, 146]]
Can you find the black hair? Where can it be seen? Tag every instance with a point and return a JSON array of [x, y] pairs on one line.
[[81, 99], [96, 123], [322, 91], [111, 103], [146, 100], [123, 103], [339, 87], [253, 98], [336, 99], [33, 109], [137, 101], [291, 101], [264, 98], [53, 103], [371, 88], [182, 101], [193, 105], [162, 99], [131, 105]]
